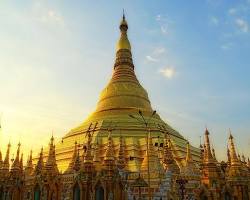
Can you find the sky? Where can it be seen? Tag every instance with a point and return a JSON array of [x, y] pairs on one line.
[[191, 56]]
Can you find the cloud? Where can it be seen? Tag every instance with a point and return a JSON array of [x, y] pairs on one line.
[[164, 23], [227, 46], [158, 18], [214, 20], [52, 16], [232, 11], [159, 51], [156, 54], [46, 14], [164, 30], [151, 59], [242, 25], [162, 18], [168, 72]]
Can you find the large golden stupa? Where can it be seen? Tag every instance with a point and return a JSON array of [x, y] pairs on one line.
[[117, 112]]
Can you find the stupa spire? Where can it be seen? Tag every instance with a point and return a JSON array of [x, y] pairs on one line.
[[16, 163], [123, 42], [51, 165], [168, 159], [73, 166], [6, 162], [189, 165], [208, 154], [109, 154], [121, 162], [214, 156], [88, 158], [151, 159], [40, 163], [29, 166], [1, 159], [96, 159], [228, 156], [189, 158], [243, 159], [232, 151], [21, 163]]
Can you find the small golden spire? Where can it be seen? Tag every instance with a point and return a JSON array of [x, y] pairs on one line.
[[1, 160], [96, 158], [121, 162], [188, 154], [228, 156], [71, 166], [168, 158], [51, 165], [109, 154], [214, 156], [40, 163], [189, 166], [29, 166], [6, 162], [239, 158], [208, 157], [21, 163], [123, 42], [109, 159], [243, 159], [232, 151], [16, 163], [88, 158]]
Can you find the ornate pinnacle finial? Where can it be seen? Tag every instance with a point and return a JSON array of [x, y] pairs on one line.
[[21, 162], [168, 158], [88, 158], [31, 154], [214, 156], [29, 166], [40, 164], [208, 157], [7, 156], [188, 154], [121, 162], [239, 157], [232, 151], [123, 14], [243, 159], [1, 160], [96, 153], [74, 164], [230, 134], [123, 42], [123, 24], [228, 156], [16, 163], [51, 165], [109, 159], [109, 154]]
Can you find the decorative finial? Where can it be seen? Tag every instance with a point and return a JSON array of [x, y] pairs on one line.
[[123, 14], [230, 134]]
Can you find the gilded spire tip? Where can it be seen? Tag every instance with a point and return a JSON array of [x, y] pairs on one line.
[[123, 14]]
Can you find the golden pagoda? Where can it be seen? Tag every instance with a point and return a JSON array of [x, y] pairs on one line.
[[122, 97]]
